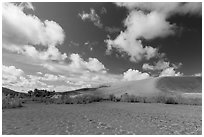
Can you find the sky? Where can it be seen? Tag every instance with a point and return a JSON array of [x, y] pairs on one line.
[[67, 46]]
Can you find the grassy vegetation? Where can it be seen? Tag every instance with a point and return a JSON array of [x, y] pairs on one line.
[[9, 102], [66, 99], [43, 96], [89, 98], [162, 98], [180, 84]]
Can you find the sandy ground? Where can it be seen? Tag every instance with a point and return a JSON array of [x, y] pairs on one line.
[[103, 118]]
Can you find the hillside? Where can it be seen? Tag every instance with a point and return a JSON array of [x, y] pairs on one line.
[[140, 87], [155, 85], [7, 91], [180, 84]]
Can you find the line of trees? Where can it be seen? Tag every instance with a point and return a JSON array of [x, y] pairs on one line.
[[40, 93]]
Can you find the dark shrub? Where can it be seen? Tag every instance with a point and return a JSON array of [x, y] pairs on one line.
[[112, 97], [171, 100]]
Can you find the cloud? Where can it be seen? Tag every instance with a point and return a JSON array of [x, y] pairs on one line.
[[164, 68], [39, 73], [11, 70], [160, 65], [79, 70], [21, 31], [51, 53], [138, 26], [92, 64], [198, 74], [50, 77], [170, 72], [16, 79], [131, 74], [96, 20], [93, 17], [167, 8], [10, 74], [27, 5], [147, 21]]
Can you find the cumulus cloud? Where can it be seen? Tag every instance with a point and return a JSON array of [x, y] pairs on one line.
[[79, 70], [20, 31], [147, 21], [138, 26], [11, 70], [15, 79], [170, 72], [92, 64], [93, 17], [51, 53], [160, 65], [131, 74], [164, 68]]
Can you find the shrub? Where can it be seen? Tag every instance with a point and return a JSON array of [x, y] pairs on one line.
[[112, 97], [171, 100], [80, 99], [8, 102]]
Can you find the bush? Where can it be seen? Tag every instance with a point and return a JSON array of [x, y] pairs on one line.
[[132, 98], [8, 102], [112, 97], [166, 98], [80, 99]]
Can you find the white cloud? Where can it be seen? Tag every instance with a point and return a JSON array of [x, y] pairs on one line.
[[39, 73], [131, 74], [165, 68], [19, 28], [160, 65], [168, 8], [15, 79], [198, 74], [21, 31], [92, 64], [169, 72], [50, 77], [148, 21], [139, 25], [11, 70], [79, 70], [52, 53], [93, 17]]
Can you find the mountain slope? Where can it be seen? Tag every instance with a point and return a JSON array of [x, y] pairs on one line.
[[180, 84], [7, 91], [153, 86]]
